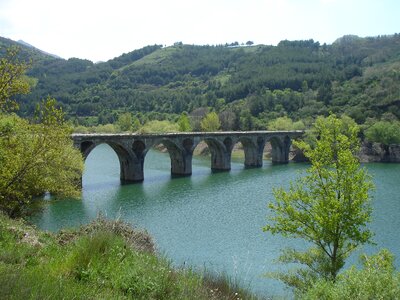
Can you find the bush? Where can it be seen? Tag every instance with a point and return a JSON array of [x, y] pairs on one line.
[[156, 126], [377, 280], [384, 132], [285, 123]]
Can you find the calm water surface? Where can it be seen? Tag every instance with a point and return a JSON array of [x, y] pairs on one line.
[[211, 221]]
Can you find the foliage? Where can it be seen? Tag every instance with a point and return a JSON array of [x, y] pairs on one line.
[[159, 127], [125, 121], [378, 279], [298, 79], [12, 81], [384, 132], [107, 128], [184, 123], [285, 123], [329, 207], [210, 122], [36, 158], [100, 260]]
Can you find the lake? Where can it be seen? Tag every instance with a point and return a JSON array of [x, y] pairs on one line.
[[211, 221]]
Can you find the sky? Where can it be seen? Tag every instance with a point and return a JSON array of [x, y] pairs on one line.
[[100, 30]]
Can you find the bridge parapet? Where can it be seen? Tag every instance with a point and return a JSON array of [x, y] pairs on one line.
[[131, 149]]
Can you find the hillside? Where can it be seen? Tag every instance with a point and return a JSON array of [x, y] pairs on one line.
[[246, 85]]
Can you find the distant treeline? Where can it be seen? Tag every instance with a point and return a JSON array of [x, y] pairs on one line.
[[247, 85]]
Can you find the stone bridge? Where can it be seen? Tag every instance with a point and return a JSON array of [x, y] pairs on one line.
[[131, 149]]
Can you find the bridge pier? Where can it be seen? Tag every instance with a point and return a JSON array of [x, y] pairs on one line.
[[280, 150], [180, 151], [181, 165], [253, 152], [131, 171], [221, 152]]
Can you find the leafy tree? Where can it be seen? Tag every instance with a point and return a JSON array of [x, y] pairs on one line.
[[36, 158], [329, 207], [228, 120], [378, 279], [282, 123], [125, 121], [384, 132], [246, 120], [11, 79], [157, 126], [184, 123], [136, 125], [210, 122]]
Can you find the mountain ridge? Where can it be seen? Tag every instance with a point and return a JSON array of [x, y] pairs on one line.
[[299, 79]]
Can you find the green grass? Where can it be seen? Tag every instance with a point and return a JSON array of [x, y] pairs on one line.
[[102, 260]]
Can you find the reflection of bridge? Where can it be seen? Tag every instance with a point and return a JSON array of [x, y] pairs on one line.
[[131, 149]]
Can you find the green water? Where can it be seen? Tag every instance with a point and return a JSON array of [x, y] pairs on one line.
[[208, 220]]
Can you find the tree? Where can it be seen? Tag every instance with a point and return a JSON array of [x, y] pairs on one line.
[[384, 132], [378, 279], [329, 207], [125, 121], [184, 123], [210, 122], [228, 119], [11, 79], [36, 158], [136, 125]]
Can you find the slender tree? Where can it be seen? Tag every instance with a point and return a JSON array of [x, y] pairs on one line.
[[329, 207], [125, 121], [210, 122], [184, 123], [11, 79]]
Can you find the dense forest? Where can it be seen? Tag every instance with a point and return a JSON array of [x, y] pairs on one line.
[[246, 85]]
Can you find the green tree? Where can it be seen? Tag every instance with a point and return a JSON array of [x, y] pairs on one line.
[[328, 208], [156, 126], [136, 125], [36, 158], [378, 279], [125, 121], [282, 123], [210, 122], [246, 120], [184, 123], [12, 81], [384, 132]]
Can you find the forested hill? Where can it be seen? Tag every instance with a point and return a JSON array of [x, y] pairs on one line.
[[246, 85]]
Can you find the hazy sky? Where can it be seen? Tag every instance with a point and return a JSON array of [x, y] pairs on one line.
[[103, 29]]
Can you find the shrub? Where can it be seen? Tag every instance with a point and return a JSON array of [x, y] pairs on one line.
[[376, 280], [384, 132]]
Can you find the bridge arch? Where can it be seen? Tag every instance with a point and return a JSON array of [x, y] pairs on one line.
[[131, 169]]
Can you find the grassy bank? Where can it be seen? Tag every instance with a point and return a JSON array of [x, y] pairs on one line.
[[102, 260]]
